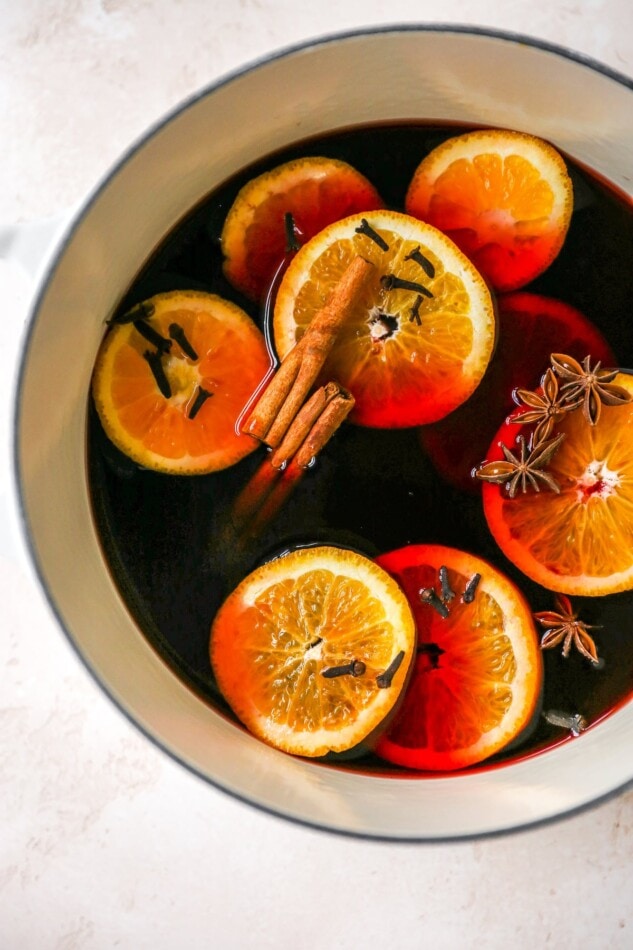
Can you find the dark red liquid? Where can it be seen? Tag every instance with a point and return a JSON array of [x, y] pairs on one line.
[[373, 490]]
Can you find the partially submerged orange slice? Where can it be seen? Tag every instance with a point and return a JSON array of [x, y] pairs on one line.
[[530, 328], [417, 341], [504, 197], [165, 384], [312, 650], [580, 540], [313, 191], [477, 677]]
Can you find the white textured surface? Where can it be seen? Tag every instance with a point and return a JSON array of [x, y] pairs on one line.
[[105, 842]]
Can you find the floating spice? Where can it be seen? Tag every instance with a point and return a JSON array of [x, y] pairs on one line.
[[426, 265], [384, 680], [355, 668], [471, 589], [141, 311], [526, 468], [415, 311], [447, 591], [365, 228], [587, 387], [562, 626], [201, 397], [313, 426], [155, 364], [428, 596], [177, 334], [572, 721], [544, 407], [392, 282], [152, 336], [286, 392]]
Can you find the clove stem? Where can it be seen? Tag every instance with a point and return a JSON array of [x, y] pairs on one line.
[[428, 596], [177, 333], [471, 589], [355, 668], [383, 680]]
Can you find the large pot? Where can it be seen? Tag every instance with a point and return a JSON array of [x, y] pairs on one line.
[[442, 73]]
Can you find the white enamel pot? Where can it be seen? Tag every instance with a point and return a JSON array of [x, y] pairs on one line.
[[409, 72]]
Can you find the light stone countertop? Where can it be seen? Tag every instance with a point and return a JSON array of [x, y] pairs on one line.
[[104, 840]]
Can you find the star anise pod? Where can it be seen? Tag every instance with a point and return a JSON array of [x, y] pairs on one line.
[[545, 407], [525, 469], [587, 387], [562, 626]]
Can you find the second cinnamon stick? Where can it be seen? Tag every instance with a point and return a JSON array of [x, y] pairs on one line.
[[287, 391]]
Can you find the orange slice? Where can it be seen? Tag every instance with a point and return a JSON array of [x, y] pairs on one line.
[[477, 675], [314, 190], [409, 352], [190, 426], [277, 638], [504, 197], [581, 540]]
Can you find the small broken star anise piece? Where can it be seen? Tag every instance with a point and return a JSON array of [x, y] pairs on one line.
[[525, 469], [545, 407], [562, 626], [587, 387]]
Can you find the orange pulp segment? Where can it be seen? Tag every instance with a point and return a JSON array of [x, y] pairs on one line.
[[194, 428], [288, 623], [477, 676], [315, 191], [409, 352], [504, 197], [581, 540]]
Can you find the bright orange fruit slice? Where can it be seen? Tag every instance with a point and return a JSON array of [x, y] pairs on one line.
[[504, 197], [579, 541], [165, 384], [312, 650], [418, 341], [315, 191], [477, 676]]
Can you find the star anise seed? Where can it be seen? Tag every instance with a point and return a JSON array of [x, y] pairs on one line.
[[587, 387], [562, 626], [524, 469], [545, 407]]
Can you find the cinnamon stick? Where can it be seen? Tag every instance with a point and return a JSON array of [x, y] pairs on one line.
[[324, 427], [285, 394], [302, 424]]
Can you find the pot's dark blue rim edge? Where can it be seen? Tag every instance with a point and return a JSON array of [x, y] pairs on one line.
[[324, 40]]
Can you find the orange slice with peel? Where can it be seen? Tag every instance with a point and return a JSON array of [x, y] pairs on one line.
[[281, 638], [420, 336], [580, 540], [315, 191], [173, 406], [504, 197], [477, 676]]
